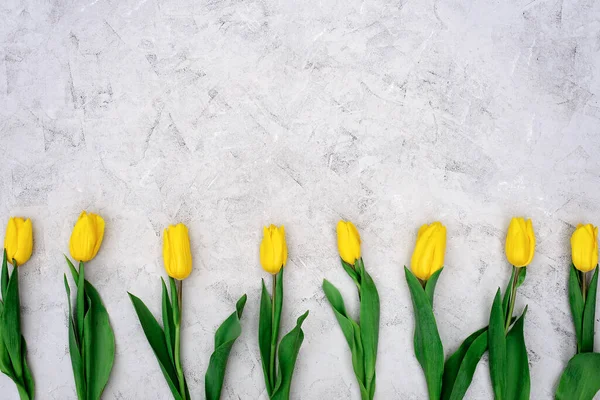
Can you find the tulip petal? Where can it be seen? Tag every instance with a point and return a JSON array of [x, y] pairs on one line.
[[430, 249]]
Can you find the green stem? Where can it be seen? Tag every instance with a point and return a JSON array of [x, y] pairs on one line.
[[273, 336], [512, 300], [178, 342]]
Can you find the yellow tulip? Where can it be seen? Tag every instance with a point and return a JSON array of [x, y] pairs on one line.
[[86, 237], [176, 251], [430, 249], [348, 242], [520, 242], [273, 249], [584, 247], [18, 241]]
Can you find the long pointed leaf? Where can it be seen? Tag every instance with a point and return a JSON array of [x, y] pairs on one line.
[[11, 323], [80, 305], [168, 322], [265, 332], [517, 371], [431, 284], [468, 366], [29, 384], [5, 364], [225, 337], [351, 272], [175, 302], [4, 284], [74, 349], [508, 291], [427, 342], [351, 332], [589, 316], [497, 348], [369, 325], [277, 308], [98, 343], [455, 362], [288, 353], [579, 380], [74, 272], [576, 302], [156, 339]]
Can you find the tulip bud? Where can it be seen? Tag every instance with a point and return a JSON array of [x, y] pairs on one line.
[[86, 237], [584, 247], [18, 241], [273, 249], [520, 242], [176, 251], [348, 242], [430, 249]]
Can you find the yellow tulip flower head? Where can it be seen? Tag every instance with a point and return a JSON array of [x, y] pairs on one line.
[[273, 249], [430, 250], [18, 241], [584, 247], [520, 242], [86, 237], [176, 251], [348, 242]]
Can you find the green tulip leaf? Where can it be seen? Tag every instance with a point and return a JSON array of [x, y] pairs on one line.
[[225, 337], [158, 343], [579, 380], [29, 385], [517, 365], [464, 377], [74, 272], [98, 344], [11, 324], [497, 348], [168, 322], [577, 305], [75, 349], [288, 353], [352, 334], [508, 291], [5, 365], [589, 316], [427, 342], [349, 268], [431, 284], [463, 362], [4, 279], [265, 333], [175, 303], [278, 306], [80, 309], [369, 325]]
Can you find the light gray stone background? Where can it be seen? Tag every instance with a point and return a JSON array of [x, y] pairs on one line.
[[230, 115]]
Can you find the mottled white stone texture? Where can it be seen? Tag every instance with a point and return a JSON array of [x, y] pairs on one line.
[[230, 115]]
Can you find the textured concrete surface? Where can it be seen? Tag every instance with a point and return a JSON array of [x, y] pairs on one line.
[[228, 115]]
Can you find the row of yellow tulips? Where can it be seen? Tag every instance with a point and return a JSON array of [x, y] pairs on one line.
[[426, 263], [427, 258]]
